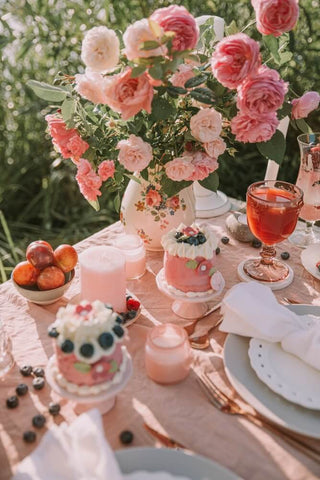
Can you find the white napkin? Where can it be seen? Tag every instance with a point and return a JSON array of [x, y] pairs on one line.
[[251, 309]]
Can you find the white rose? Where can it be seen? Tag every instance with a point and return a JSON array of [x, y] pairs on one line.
[[206, 125], [100, 49], [137, 34]]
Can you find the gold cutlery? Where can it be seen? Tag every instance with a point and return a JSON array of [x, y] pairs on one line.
[[164, 439], [291, 301], [203, 341], [226, 405], [190, 328]]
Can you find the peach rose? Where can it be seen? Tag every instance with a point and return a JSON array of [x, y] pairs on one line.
[[153, 198], [274, 17], [206, 125], [301, 107], [235, 57], [90, 85], [254, 129], [135, 35], [261, 93], [135, 154], [179, 168], [203, 166], [184, 73], [216, 148], [89, 182], [127, 95], [181, 22], [100, 49], [106, 169]]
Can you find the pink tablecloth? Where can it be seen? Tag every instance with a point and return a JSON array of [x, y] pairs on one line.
[[180, 410]]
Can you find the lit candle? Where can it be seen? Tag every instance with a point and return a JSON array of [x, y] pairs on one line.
[[103, 276], [132, 248], [167, 354]]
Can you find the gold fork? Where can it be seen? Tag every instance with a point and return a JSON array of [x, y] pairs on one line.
[[226, 405]]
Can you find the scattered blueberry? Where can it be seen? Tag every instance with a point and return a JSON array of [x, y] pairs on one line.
[[118, 330], [13, 401], [105, 340], [256, 243], [29, 436], [38, 421], [131, 314], [225, 240], [126, 437], [202, 239], [67, 346], [38, 383], [53, 332], [26, 370], [87, 350], [217, 250], [38, 372], [22, 389], [119, 318], [54, 408], [285, 255], [178, 235]]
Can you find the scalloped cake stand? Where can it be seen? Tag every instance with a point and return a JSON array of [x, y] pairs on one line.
[[185, 305]]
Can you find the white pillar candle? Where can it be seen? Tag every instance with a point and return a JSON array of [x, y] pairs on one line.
[[103, 276]]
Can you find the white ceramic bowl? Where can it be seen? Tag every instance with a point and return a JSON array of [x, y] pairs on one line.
[[44, 297]]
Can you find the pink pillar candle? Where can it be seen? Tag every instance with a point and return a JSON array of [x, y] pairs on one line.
[[132, 248], [167, 354], [103, 276]]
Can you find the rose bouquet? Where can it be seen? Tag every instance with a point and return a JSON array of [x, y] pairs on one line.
[[166, 100]]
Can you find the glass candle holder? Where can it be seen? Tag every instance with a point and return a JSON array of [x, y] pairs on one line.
[[167, 354], [132, 247]]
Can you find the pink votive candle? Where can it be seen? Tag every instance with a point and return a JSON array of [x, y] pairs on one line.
[[167, 354], [103, 276], [132, 247]]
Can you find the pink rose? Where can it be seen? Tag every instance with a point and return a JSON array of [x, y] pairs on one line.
[[127, 95], [254, 129], [301, 107], [235, 57], [138, 33], [89, 182], [173, 202], [203, 166], [206, 125], [215, 148], [135, 154], [179, 169], [106, 169], [91, 86], [274, 17], [261, 93], [67, 140], [153, 198], [181, 22], [184, 73]]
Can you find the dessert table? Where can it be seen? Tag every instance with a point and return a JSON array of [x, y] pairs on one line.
[[181, 411]]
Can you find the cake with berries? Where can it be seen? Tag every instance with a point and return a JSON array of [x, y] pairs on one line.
[[88, 342], [189, 260]]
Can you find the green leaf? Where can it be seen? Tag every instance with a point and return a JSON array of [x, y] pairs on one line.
[[274, 149], [195, 81], [232, 28], [172, 188], [47, 92], [284, 111], [156, 71], [203, 95], [303, 126], [273, 45], [176, 90], [114, 367], [67, 109], [192, 264], [149, 45], [161, 108], [285, 57], [212, 271], [211, 182], [132, 177], [117, 202], [82, 367], [137, 71], [94, 204]]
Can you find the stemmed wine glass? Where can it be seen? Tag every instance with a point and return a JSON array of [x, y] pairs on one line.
[[309, 181], [272, 210]]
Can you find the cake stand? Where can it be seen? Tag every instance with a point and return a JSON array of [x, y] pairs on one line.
[[104, 401], [187, 305]]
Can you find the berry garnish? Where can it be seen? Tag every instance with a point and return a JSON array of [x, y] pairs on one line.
[[38, 421], [22, 389], [119, 318], [217, 250], [133, 304], [285, 255], [29, 436], [126, 437], [26, 370], [54, 408], [105, 340], [12, 402], [256, 243], [87, 350], [67, 346], [225, 240], [38, 383], [38, 372], [118, 330], [53, 332]]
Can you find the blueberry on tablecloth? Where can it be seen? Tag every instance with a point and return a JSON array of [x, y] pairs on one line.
[[22, 389], [12, 402], [38, 383], [285, 255], [256, 243], [225, 240], [26, 370], [54, 408], [217, 250], [38, 421], [126, 437], [29, 436], [38, 372]]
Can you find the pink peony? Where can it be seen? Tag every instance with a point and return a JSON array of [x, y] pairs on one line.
[[90, 85], [127, 95], [100, 49], [138, 33], [261, 93], [135, 154], [89, 182], [206, 125], [234, 58], [252, 130], [203, 166], [301, 107], [181, 22], [153, 198], [274, 17], [106, 170], [184, 73], [215, 148], [179, 168], [67, 140]]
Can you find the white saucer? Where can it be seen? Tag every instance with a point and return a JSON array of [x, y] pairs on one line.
[[309, 257], [273, 285]]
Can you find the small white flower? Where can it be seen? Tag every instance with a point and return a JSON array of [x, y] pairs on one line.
[[100, 49]]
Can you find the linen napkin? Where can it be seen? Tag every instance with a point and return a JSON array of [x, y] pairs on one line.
[[250, 309]]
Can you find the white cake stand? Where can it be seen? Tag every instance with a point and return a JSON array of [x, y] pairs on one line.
[[187, 305], [104, 401]]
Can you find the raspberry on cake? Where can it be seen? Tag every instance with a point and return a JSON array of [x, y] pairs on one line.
[[189, 259], [88, 340]]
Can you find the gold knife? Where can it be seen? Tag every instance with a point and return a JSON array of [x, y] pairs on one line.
[[167, 441]]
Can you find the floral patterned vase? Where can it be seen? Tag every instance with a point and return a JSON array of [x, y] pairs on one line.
[[150, 213]]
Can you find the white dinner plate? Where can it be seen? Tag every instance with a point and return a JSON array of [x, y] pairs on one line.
[[174, 462], [309, 257], [269, 404]]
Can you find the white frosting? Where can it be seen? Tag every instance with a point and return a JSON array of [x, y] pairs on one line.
[[170, 244]]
